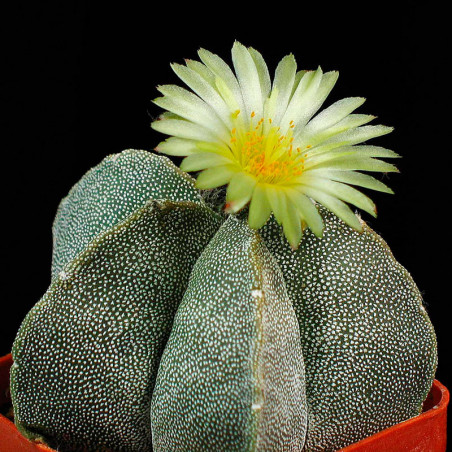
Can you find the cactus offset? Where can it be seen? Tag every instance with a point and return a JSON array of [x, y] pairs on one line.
[[284, 323]]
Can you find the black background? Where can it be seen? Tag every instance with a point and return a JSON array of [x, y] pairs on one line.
[[77, 80]]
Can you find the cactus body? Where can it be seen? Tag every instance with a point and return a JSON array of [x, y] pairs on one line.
[[86, 356], [368, 345], [271, 348], [231, 377], [109, 193]]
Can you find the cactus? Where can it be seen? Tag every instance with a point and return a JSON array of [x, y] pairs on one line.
[[231, 377], [283, 323], [368, 345], [87, 354], [109, 193]]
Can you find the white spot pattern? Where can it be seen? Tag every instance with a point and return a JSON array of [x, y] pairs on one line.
[[231, 377], [368, 345], [110, 192], [88, 352]]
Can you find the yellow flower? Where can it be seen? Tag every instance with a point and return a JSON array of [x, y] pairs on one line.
[[261, 138]]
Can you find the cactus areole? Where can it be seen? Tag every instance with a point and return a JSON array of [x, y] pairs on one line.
[[249, 309]]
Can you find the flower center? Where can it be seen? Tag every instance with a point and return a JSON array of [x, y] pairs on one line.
[[264, 152]]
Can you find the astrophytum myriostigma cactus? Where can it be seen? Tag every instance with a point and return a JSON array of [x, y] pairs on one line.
[[86, 357], [282, 323], [368, 345], [231, 377]]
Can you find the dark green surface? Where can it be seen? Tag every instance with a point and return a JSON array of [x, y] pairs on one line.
[[231, 377], [86, 356], [368, 345], [109, 193]]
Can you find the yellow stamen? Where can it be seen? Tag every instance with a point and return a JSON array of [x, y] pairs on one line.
[[264, 152]]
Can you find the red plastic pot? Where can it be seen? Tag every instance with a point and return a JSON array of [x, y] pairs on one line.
[[424, 433], [10, 439]]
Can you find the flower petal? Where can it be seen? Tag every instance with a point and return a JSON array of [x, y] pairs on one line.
[[352, 178], [343, 192], [204, 90], [248, 78], [373, 151], [292, 226], [361, 134], [262, 70], [334, 132], [260, 208], [298, 76], [335, 205], [326, 85], [229, 98], [308, 210], [183, 129], [179, 147], [332, 115], [202, 70], [283, 85], [224, 72], [270, 106], [198, 162], [189, 106], [351, 163], [278, 201], [215, 147], [215, 177], [239, 192], [326, 154], [303, 95]]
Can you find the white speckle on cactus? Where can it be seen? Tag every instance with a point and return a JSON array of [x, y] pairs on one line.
[[63, 275], [110, 192], [231, 377], [368, 345]]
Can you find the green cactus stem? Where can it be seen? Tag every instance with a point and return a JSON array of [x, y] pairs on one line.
[[86, 356], [109, 193], [231, 377], [368, 345]]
